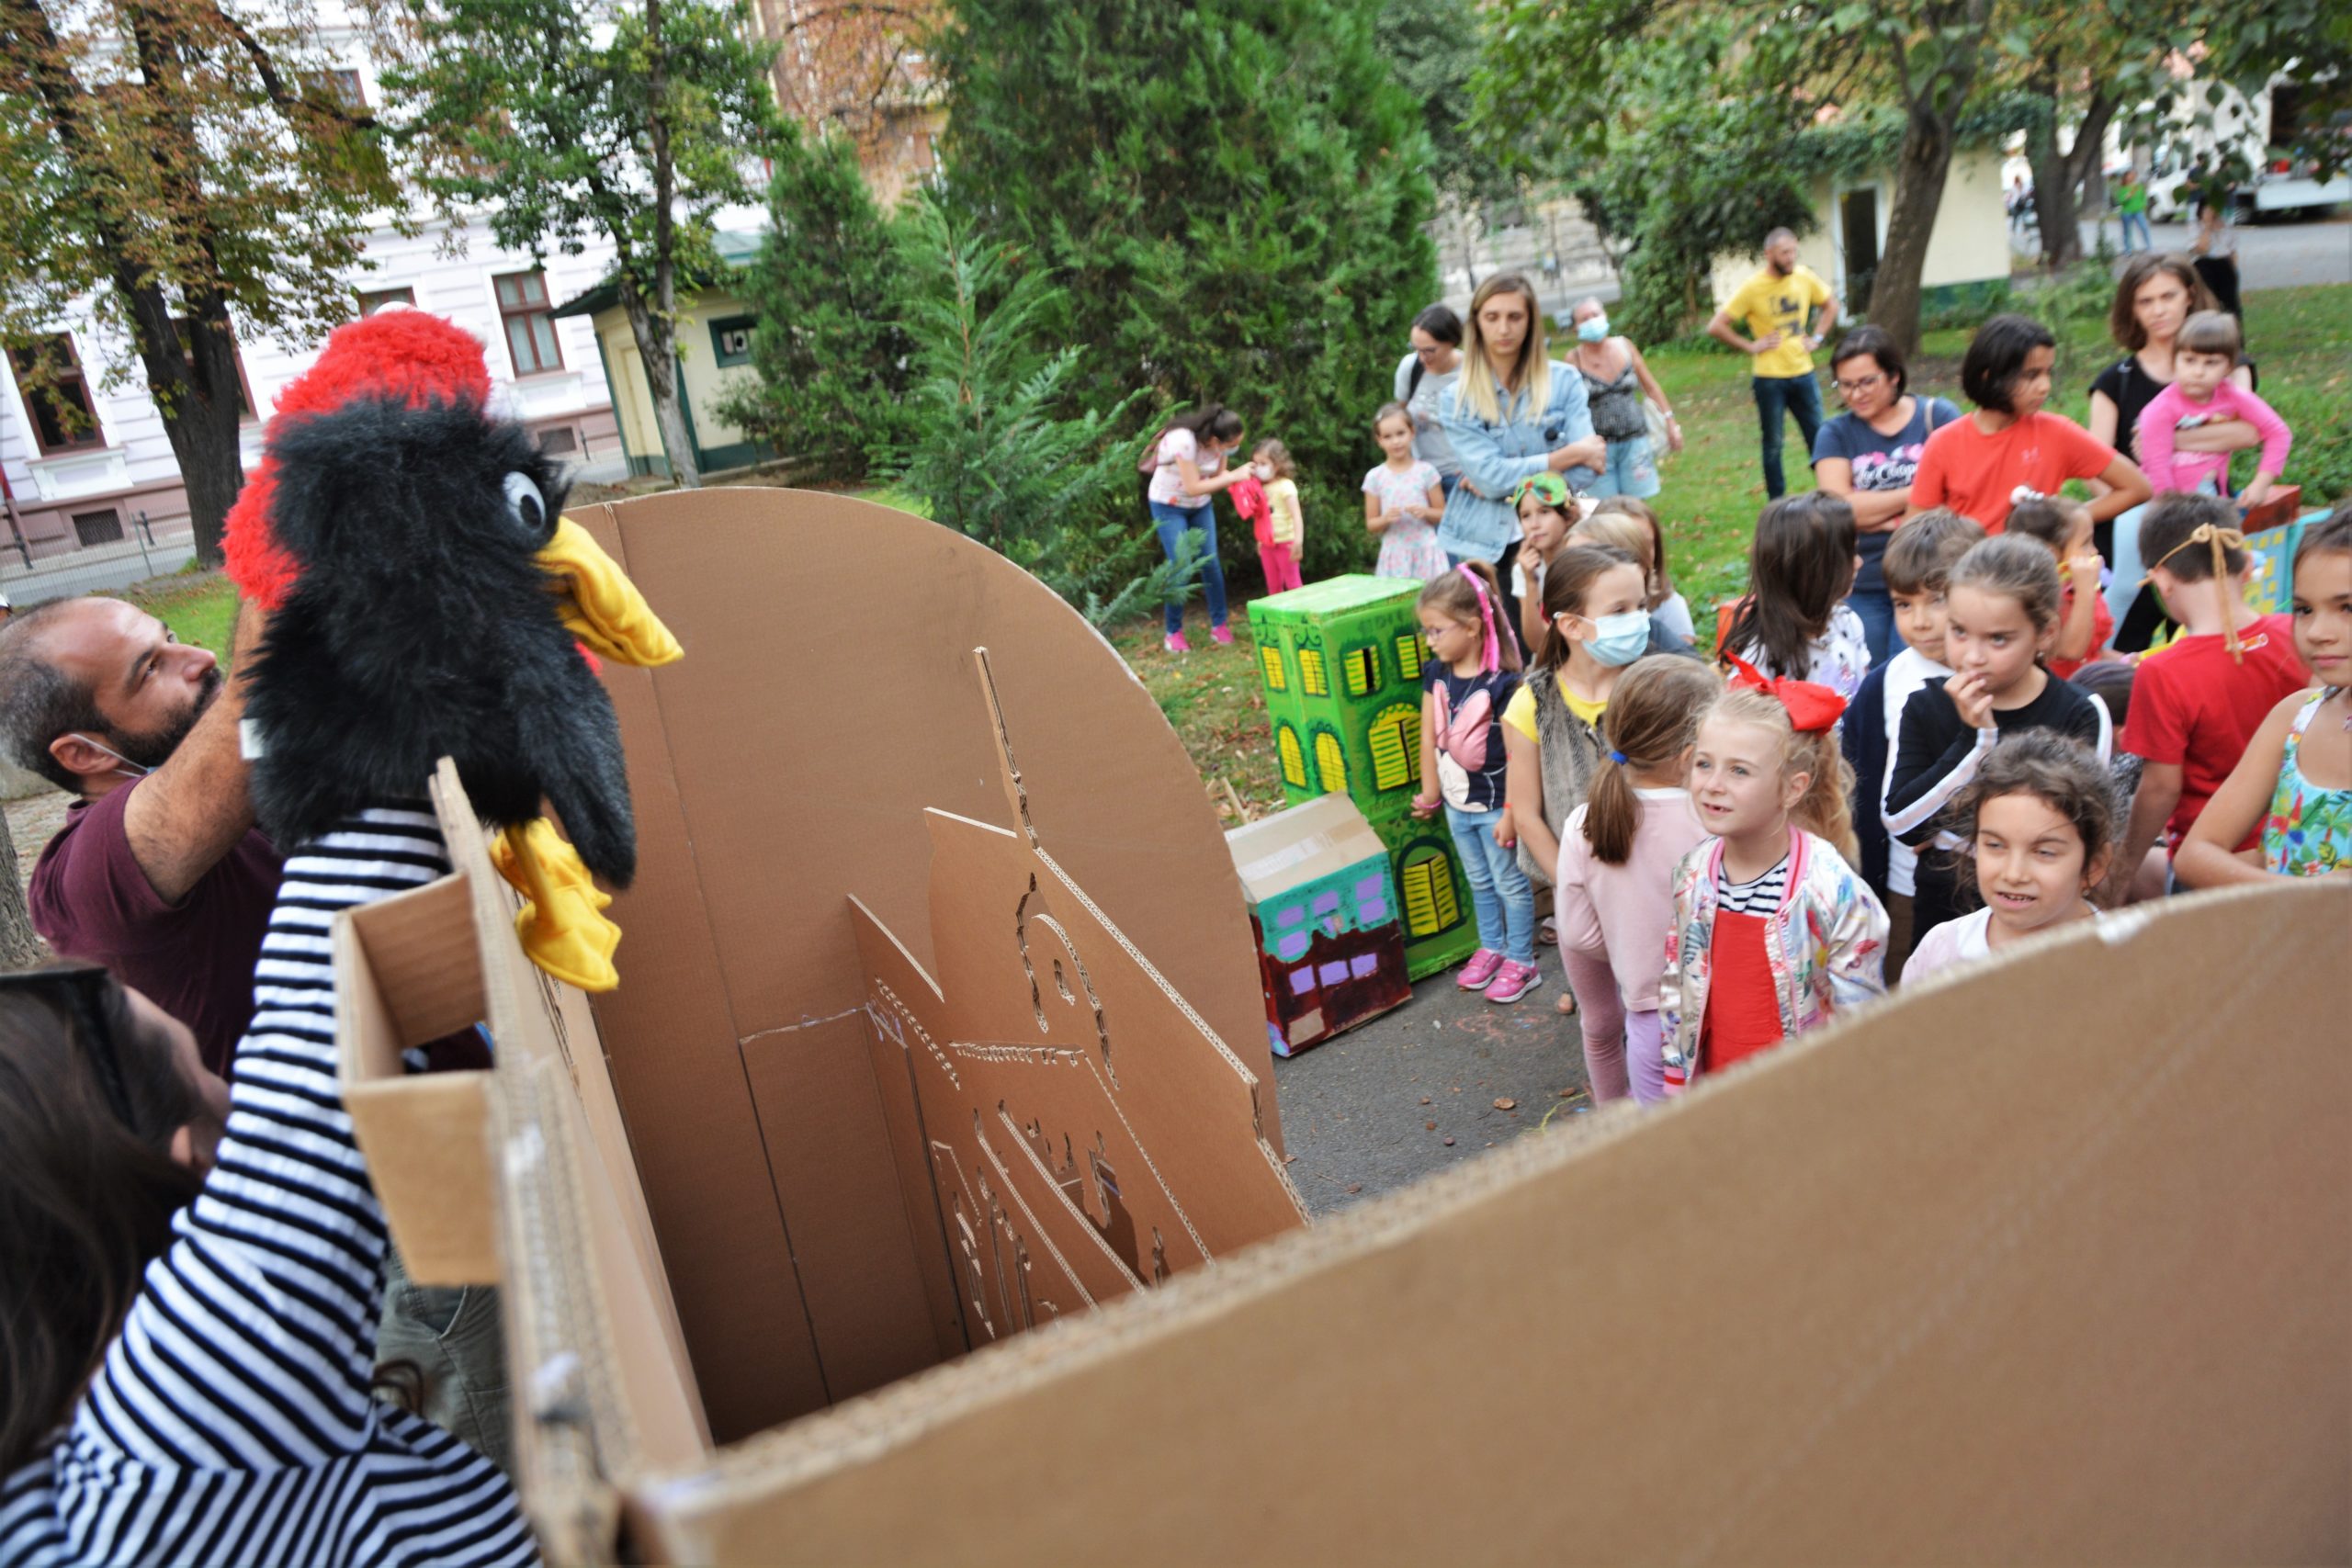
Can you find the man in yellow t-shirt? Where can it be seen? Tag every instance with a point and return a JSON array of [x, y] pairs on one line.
[[1772, 305]]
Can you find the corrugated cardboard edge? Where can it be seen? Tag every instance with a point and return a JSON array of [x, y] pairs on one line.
[[697, 1514]]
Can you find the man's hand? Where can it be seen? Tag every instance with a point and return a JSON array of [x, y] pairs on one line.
[[1769, 341], [190, 812]]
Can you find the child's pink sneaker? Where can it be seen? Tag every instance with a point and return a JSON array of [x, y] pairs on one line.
[[1176, 643], [1513, 981], [1479, 972], [1222, 636]]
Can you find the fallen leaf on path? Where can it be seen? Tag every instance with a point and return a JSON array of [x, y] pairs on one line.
[[1425, 1100], [1356, 1187], [1506, 1103], [1428, 1127], [1449, 1143]]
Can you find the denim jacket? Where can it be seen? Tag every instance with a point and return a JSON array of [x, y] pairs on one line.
[[1497, 457]]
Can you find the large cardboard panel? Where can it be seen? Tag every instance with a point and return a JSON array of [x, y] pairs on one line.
[[782, 767], [2049, 1260]]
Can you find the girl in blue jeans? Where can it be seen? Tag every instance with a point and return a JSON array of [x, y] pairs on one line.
[[1469, 679], [1190, 468]]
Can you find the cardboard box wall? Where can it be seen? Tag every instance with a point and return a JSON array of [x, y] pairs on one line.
[[2049, 1262]]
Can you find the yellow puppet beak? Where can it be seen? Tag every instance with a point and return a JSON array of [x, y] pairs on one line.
[[599, 604]]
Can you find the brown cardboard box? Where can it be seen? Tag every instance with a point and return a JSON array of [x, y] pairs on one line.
[[1325, 920], [2045, 1261]]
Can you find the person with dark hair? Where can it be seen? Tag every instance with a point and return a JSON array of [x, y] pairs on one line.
[[1189, 468], [1423, 377], [1616, 382], [2216, 245], [2208, 355], [2009, 448], [1867, 456], [2198, 700], [158, 873], [2154, 295], [190, 1275], [1795, 623], [1773, 304]]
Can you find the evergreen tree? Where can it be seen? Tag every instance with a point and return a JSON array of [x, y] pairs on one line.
[[832, 357], [1233, 193]]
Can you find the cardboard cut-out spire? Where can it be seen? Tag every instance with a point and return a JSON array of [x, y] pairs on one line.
[[1067, 1128]]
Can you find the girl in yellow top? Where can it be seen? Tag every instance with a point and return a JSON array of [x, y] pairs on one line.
[[1597, 622], [1287, 530]]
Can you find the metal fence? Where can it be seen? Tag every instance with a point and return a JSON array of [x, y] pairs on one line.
[[144, 551]]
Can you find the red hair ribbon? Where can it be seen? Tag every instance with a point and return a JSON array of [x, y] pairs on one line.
[[1813, 709]]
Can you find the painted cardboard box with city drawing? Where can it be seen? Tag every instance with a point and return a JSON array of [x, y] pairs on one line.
[[1323, 908]]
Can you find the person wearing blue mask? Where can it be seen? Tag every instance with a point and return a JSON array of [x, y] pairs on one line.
[[1616, 379], [1596, 622]]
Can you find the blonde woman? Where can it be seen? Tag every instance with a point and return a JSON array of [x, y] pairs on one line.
[[1514, 411]]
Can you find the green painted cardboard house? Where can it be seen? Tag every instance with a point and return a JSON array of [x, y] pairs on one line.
[[1339, 663]]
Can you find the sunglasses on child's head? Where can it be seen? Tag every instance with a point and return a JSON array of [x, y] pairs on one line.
[[91, 1000]]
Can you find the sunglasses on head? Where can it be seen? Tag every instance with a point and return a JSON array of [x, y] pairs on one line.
[[90, 998]]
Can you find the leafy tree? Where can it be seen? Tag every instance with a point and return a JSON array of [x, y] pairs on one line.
[[832, 354], [992, 456], [629, 121], [1233, 194], [188, 170]]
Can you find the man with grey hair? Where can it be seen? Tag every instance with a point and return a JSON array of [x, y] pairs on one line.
[[158, 873], [1773, 304]]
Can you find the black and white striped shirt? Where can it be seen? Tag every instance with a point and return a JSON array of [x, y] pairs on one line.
[[232, 1420], [1761, 897]]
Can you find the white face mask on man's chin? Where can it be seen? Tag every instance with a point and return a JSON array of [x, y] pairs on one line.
[[123, 763]]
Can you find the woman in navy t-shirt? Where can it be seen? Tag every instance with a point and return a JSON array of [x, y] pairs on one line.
[[1868, 455]]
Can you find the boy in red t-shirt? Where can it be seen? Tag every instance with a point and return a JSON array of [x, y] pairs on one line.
[[2196, 701], [2083, 623], [1976, 466]]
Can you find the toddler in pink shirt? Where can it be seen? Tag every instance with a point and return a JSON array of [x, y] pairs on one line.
[[2206, 351], [1614, 895]]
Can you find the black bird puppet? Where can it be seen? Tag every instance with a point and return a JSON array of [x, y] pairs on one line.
[[429, 599]]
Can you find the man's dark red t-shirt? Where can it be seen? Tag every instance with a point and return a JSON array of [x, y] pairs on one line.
[[194, 959]]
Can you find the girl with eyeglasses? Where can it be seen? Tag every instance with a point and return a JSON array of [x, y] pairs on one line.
[[1868, 455]]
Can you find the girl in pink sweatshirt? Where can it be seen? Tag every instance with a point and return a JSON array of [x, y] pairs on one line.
[[1614, 893], [2204, 354]]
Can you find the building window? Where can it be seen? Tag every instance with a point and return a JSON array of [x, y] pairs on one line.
[[1430, 905], [97, 528], [731, 341], [559, 442], [186, 328], [1331, 762], [374, 299], [1396, 748], [340, 87], [64, 418], [523, 309], [1363, 965], [1292, 945], [1333, 973], [1363, 665], [1310, 673], [1409, 656], [1302, 981], [1293, 762], [1270, 657]]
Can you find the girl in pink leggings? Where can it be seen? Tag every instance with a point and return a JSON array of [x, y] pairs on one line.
[[1614, 893]]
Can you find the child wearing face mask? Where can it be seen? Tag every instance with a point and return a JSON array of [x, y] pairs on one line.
[[1795, 623], [2040, 818], [1594, 627], [2001, 620], [1271, 464], [1774, 932]]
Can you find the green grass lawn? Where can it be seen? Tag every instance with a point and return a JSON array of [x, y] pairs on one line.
[[199, 606]]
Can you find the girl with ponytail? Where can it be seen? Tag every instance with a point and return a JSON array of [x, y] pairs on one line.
[[1470, 677], [1613, 895]]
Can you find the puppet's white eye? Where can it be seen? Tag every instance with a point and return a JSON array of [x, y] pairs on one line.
[[524, 499]]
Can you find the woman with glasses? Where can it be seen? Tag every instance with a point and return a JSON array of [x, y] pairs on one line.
[[1868, 455], [191, 1274], [1423, 376]]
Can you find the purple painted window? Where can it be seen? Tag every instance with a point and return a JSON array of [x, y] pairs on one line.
[[1372, 911], [1291, 946], [1302, 981], [1332, 973], [1363, 964], [1372, 887], [1291, 916], [1327, 903]]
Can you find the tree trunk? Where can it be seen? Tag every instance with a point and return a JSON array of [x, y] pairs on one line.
[[2058, 176], [657, 346], [1920, 169], [20, 946]]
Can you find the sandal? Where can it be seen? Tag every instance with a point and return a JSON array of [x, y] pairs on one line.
[[1548, 933]]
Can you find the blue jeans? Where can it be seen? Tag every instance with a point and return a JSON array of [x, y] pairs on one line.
[[1869, 598], [1170, 522], [1500, 894], [1799, 395], [2136, 220], [1631, 469]]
